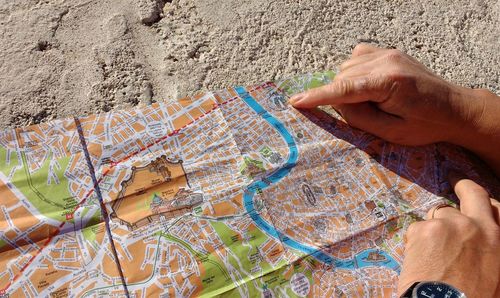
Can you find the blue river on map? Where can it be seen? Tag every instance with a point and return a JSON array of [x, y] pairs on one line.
[[359, 261]]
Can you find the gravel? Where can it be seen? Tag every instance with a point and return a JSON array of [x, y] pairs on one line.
[[74, 57]]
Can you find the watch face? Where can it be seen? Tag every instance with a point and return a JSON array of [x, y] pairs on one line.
[[436, 290]]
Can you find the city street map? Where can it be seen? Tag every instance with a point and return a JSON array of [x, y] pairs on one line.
[[231, 193]]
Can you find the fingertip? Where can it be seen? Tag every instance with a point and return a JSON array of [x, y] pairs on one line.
[[337, 92], [297, 101], [474, 199], [295, 98], [466, 187], [305, 100], [461, 183]]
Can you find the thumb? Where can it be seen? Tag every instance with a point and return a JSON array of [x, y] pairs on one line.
[[366, 116], [345, 90]]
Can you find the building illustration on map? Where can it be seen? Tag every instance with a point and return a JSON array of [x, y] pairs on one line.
[[160, 188], [252, 168]]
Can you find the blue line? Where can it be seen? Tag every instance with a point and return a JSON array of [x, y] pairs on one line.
[[359, 261]]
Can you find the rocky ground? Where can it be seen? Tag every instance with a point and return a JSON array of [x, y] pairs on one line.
[[72, 57]]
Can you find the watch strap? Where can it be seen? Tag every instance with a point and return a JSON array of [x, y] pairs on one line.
[[409, 292]]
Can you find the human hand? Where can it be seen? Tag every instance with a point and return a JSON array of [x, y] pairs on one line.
[[458, 247], [391, 95]]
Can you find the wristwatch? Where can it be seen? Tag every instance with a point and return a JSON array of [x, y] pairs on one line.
[[432, 289]]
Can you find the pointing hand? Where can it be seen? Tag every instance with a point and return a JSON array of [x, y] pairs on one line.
[[389, 94]]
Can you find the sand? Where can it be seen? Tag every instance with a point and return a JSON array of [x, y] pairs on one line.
[[60, 58]]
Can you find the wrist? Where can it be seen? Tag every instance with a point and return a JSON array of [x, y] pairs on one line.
[[478, 125]]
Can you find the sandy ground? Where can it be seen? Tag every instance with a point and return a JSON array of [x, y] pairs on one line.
[[72, 57]]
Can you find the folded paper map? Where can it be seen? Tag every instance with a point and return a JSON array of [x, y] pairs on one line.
[[231, 193]]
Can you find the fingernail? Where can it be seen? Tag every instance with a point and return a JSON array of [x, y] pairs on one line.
[[296, 98]]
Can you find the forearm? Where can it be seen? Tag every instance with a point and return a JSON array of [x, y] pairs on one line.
[[480, 132]]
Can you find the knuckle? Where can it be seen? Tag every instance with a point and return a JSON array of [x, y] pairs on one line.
[[415, 229], [341, 87], [394, 55], [371, 82], [464, 223], [493, 233], [396, 74], [345, 65], [330, 88], [432, 229], [359, 48], [412, 229], [380, 83]]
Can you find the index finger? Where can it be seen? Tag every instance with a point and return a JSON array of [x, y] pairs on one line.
[[346, 90]]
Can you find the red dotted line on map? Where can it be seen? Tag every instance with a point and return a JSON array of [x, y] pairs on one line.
[[70, 215]]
